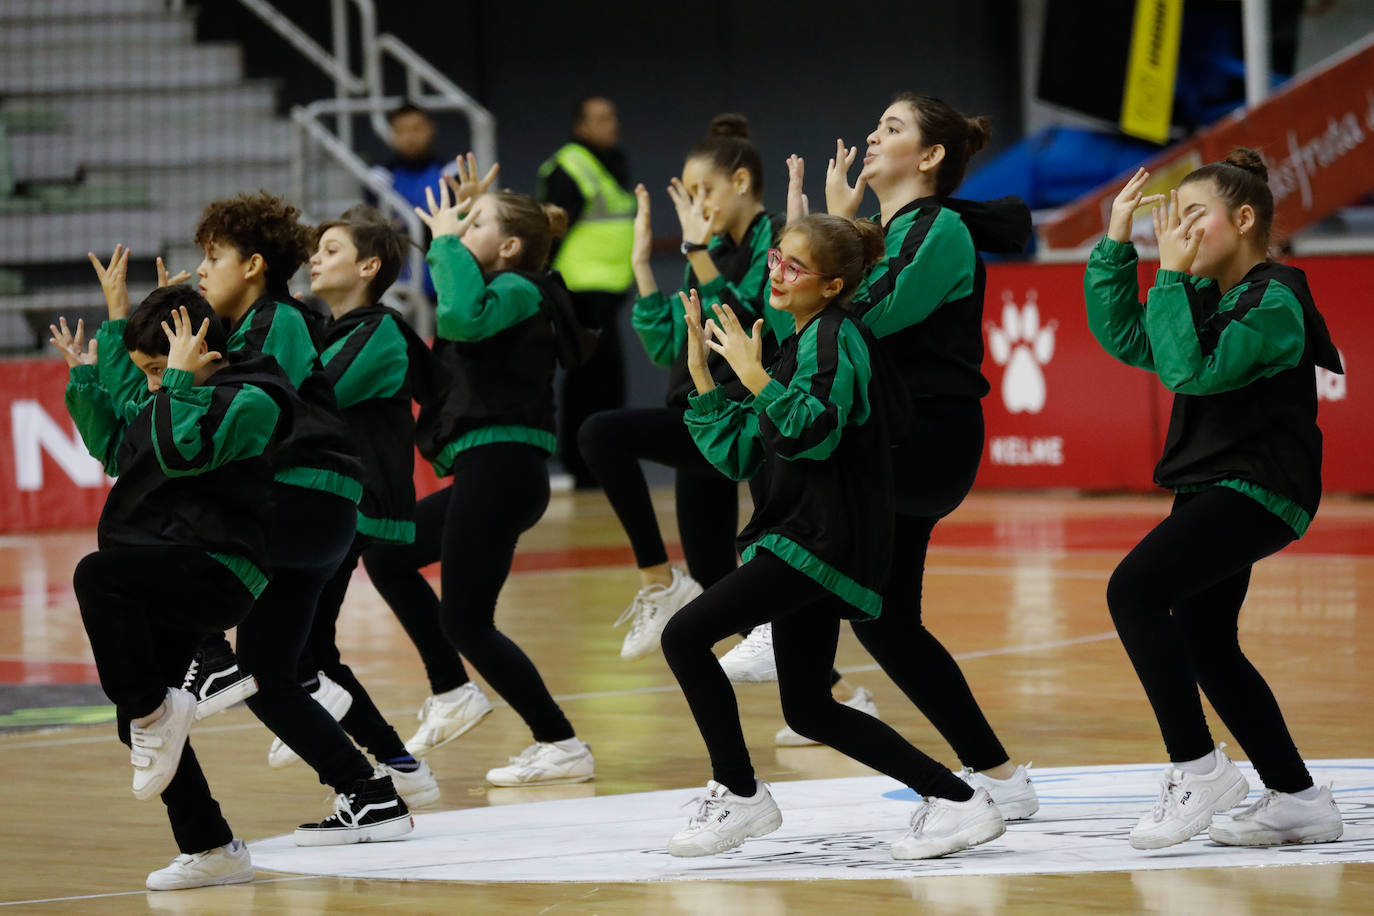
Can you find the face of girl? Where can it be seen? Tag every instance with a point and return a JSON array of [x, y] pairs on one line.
[[805, 295], [894, 148], [1221, 238], [484, 237], [723, 197], [334, 267], [226, 277]]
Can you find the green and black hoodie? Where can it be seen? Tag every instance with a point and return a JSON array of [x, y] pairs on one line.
[[742, 285], [1240, 365], [924, 300], [377, 365], [317, 452], [498, 337], [814, 446], [192, 462]]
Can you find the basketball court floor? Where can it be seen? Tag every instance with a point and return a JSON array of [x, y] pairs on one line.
[[1014, 588]]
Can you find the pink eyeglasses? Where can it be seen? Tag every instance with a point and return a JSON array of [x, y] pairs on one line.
[[790, 272]]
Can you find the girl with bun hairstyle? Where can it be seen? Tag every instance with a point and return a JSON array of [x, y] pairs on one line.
[[1236, 337], [503, 321], [812, 438], [923, 301]]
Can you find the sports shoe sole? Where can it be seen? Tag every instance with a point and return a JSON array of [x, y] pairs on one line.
[[1019, 810], [762, 828], [1313, 833], [218, 703], [242, 877], [919, 850], [420, 750], [347, 836], [422, 799], [560, 781], [1233, 796]]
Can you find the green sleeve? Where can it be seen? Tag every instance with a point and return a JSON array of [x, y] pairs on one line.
[[659, 322], [806, 417], [96, 419], [1112, 296], [748, 298], [470, 308], [197, 428], [726, 432], [1257, 331], [371, 361], [122, 380], [922, 271], [282, 334]]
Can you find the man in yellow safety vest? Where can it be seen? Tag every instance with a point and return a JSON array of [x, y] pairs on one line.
[[589, 178]]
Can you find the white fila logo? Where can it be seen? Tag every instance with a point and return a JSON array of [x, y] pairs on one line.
[[1330, 386], [1023, 346]]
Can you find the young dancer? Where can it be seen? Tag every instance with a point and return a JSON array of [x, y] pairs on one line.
[[503, 321], [187, 433], [924, 303], [1236, 337], [253, 244], [813, 440]]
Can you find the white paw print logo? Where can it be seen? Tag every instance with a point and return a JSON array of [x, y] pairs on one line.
[[1023, 346]]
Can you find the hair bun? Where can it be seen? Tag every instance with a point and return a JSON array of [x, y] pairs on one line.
[[729, 125], [1248, 159], [871, 242], [979, 130], [558, 219]]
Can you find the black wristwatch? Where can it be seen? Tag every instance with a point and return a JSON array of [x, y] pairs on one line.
[[689, 247]]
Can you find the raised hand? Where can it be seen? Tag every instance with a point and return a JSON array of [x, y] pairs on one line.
[[70, 344], [1178, 238], [691, 213], [696, 342], [797, 204], [468, 186], [840, 198], [742, 351], [186, 350], [1126, 203], [444, 216], [113, 277], [164, 280], [643, 248]]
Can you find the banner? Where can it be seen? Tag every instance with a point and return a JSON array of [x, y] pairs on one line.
[[1147, 101]]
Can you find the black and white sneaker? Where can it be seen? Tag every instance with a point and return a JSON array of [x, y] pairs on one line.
[[369, 812], [216, 682]]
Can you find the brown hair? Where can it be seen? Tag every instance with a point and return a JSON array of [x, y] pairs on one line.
[[961, 137], [262, 224], [841, 247], [374, 237], [727, 147], [1241, 178], [536, 225]]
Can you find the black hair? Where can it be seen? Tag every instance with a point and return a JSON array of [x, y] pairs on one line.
[[728, 148], [1241, 178], [144, 333], [579, 108], [405, 108], [373, 236], [961, 136]]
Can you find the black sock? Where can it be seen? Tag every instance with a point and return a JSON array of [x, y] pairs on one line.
[[406, 763]]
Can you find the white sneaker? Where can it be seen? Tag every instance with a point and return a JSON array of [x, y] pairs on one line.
[[751, 660], [862, 700], [228, 864], [649, 613], [418, 788], [337, 702], [1014, 796], [155, 749], [445, 717], [547, 764], [1187, 802], [1279, 818], [940, 826], [725, 821]]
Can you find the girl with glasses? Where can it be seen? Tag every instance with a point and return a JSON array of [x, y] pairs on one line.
[[812, 438]]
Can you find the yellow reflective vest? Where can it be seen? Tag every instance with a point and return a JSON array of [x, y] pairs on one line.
[[596, 253]]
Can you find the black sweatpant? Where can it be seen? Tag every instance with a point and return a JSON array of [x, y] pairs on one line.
[[613, 443], [934, 472], [806, 628], [1175, 600], [597, 385], [498, 492], [145, 610], [363, 722], [309, 540]]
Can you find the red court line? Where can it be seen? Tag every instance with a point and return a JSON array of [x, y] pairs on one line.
[[40, 672]]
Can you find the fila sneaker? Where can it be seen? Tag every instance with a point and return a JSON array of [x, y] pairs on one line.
[[446, 716], [751, 660], [1279, 818], [650, 611], [862, 700], [940, 826], [1187, 802], [216, 682], [724, 821], [1014, 796], [229, 864], [337, 702], [155, 749], [417, 788], [370, 811], [547, 764]]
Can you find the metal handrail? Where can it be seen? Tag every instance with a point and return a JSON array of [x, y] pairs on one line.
[[481, 122], [311, 49]]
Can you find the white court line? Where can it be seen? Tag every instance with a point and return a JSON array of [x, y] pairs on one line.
[[145, 892]]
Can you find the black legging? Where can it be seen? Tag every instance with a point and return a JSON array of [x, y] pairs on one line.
[[145, 610], [363, 722], [806, 629], [498, 492], [1196, 563], [934, 472], [613, 443], [598, 384]]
